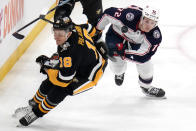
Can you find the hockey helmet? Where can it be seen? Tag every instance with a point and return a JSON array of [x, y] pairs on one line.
[[151, 13], [63, 24]]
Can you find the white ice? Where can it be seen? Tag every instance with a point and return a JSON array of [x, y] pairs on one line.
[[108, 107]]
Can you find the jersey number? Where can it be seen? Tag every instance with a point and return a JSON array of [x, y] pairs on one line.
[[155, 47], [65, 62], [118, 13]]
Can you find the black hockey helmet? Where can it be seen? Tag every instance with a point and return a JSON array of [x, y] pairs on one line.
[[63, 24]]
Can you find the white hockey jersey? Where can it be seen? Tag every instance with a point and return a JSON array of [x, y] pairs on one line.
[[124, 22]]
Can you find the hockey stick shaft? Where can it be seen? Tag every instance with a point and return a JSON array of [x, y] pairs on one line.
[[19, 36], [28, 24], [15, 34]]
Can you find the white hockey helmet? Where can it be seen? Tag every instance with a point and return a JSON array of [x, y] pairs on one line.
[[151, 13]]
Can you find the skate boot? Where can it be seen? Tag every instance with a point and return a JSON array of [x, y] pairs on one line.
[[119, 79], [22, 111], [27, 119], [153, 91]]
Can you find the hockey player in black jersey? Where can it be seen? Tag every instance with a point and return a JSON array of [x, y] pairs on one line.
[[134, 35], [76, 67], [91, 8]]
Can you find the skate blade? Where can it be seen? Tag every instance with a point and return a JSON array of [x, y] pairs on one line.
[[154, 97], [20, 126]]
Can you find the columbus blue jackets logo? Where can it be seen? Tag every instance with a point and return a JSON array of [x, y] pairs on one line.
[[156, 34], [130, 16]]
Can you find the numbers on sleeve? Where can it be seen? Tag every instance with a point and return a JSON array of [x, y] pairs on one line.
[[155, 47], [118, 13], [65, 62]]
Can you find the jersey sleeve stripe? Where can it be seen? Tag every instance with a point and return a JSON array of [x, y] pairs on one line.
[[66, 78], [95, 69]]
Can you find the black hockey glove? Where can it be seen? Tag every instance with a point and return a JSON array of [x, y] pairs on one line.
[[46, 63], [102, 49], [42, 59]]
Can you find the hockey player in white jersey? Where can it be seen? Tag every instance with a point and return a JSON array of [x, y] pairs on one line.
[[134, 35]]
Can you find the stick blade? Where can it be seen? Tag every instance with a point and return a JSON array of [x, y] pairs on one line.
[[18, 36]]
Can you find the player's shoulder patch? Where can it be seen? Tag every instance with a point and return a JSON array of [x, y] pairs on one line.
[[130, 16], [156, 34]]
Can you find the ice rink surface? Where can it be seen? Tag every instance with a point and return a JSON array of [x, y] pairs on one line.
[[107, 107]]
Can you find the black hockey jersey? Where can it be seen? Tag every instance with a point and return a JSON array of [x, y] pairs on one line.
[[78, 57], [91, 8]]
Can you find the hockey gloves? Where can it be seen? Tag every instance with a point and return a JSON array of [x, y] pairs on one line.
[[102, 49], [46, 63], [42, 59], [120, 49]]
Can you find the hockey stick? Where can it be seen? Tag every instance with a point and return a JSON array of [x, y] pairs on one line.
[[20, 36]]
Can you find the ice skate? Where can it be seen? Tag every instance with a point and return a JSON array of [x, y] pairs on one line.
[[27, 119], [119, 79], [22, 111], [153, 92]]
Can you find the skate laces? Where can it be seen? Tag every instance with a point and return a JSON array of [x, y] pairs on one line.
[[153, 90], [30, 117]]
